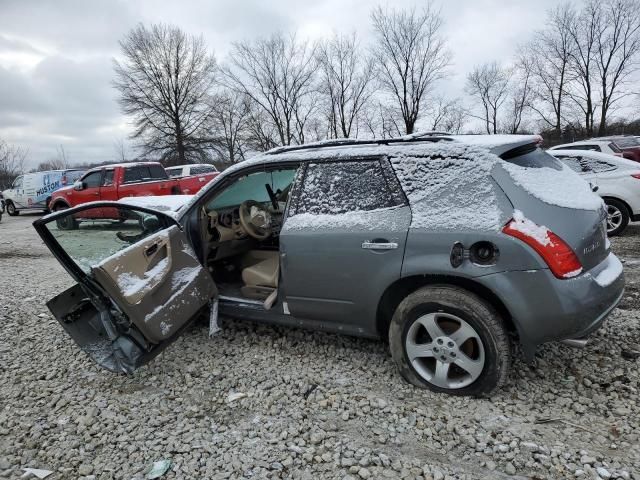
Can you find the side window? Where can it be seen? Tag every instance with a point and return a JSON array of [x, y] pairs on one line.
[[107, 181], [174, 172], [132, 175], [93, 179], [17, 183], [613, 147], [158, 172], [339, 187]]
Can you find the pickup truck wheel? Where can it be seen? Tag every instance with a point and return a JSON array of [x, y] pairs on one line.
[[617, 217], [449, 340], [66, 223], [12, 210]]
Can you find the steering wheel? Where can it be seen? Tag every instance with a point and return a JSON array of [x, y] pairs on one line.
[[255, 219]]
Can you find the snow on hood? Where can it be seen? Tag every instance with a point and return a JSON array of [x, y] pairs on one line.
[[161, 203]]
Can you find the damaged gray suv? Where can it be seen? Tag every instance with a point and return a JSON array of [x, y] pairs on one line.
[[450, 247]]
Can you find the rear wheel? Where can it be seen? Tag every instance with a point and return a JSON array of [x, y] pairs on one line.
[[12, 210], [449, 340], [65, 223], [617, 217]]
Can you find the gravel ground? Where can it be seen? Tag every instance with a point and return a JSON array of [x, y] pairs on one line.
[[264, 402]]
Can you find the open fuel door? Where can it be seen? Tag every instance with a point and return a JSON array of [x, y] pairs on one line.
[[139, 281]]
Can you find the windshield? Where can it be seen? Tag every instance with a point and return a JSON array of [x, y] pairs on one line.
[[252, 187]]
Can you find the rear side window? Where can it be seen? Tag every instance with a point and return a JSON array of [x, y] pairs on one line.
[[333, 188], [158, 172], [132, 175], [587, 165], [531, 156], [174, 172]]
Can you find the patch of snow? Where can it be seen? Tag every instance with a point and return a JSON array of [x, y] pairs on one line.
[[180, 281], [451, 189], [161, 203], [610, 273], [130, 284], [382, 218], [563, 188], [524, 225]]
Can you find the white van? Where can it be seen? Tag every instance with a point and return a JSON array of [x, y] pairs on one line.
[[33, 190], [192, 169]]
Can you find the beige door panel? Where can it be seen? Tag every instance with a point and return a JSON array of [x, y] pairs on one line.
[[158, 283]]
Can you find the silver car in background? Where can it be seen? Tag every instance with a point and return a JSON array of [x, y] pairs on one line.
[[451, 247]]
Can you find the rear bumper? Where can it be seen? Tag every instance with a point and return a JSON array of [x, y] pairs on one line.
[[546, 309]]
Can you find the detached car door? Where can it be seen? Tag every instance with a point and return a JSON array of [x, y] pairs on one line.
[[342, 243], [139, 282]]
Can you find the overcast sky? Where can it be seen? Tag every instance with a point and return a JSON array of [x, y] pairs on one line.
[[56, 56]]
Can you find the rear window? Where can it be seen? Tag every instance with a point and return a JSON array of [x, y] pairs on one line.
[[627, 142], [199, 169], [144, 173], [614, 147], [586, 165], [531, 156]]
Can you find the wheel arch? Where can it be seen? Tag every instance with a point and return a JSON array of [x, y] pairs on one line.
[[617, 199], [397, 291], [58, 202]]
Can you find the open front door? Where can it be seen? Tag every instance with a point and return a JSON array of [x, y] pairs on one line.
[[139, 282]]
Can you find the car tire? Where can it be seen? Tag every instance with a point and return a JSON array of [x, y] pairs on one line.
[[67, 223], [457, 313], [12, 211], [617, 216]]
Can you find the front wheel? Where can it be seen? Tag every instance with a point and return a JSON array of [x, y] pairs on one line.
[[617, 217], [449, 340], [12, 210]]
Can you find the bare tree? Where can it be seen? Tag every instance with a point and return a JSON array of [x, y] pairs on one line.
[[616, 51], [489, 84], [277, 74], [228, 125], [164, 80], [346, 82], [121, 155], [382, 121], [12, 162], [550, 52], [411, 55], [520, 93], [447, 114], [584, 32]]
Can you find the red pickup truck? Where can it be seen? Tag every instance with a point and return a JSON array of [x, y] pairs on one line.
[[113, 182]]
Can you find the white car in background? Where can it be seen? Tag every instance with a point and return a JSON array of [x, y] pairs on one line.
[[602, 146], [617, 179], [189, 170]]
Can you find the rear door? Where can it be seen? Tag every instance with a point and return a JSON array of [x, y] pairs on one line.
[[343, 241], [139, 283]]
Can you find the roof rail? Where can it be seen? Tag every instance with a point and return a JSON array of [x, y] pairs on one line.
[[416, 137]]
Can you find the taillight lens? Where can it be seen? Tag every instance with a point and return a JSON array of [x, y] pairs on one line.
[[636, 175], [559, 256]]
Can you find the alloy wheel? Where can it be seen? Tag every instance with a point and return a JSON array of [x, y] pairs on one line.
[[614, 218], [445, 350]]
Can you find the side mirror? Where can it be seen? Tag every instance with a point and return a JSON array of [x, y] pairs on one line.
[[78, 185]]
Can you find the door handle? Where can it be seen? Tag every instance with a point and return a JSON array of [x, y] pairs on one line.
[[367, 245], [151, 250]]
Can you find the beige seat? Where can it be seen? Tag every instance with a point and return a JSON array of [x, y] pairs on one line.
[[260, 275]]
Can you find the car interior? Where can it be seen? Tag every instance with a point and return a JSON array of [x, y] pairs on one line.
[[240, 228]]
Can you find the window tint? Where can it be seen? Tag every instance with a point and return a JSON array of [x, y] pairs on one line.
[[158, 172], [341, 187], [531, 157], [132, 174], [252, 187], [198, 169], [93, 179], [108, 178]]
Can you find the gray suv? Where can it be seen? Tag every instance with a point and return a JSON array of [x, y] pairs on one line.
[[450, 247]]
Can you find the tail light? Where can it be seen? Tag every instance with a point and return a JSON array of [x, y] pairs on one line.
[[559, 256], [636, 175]]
